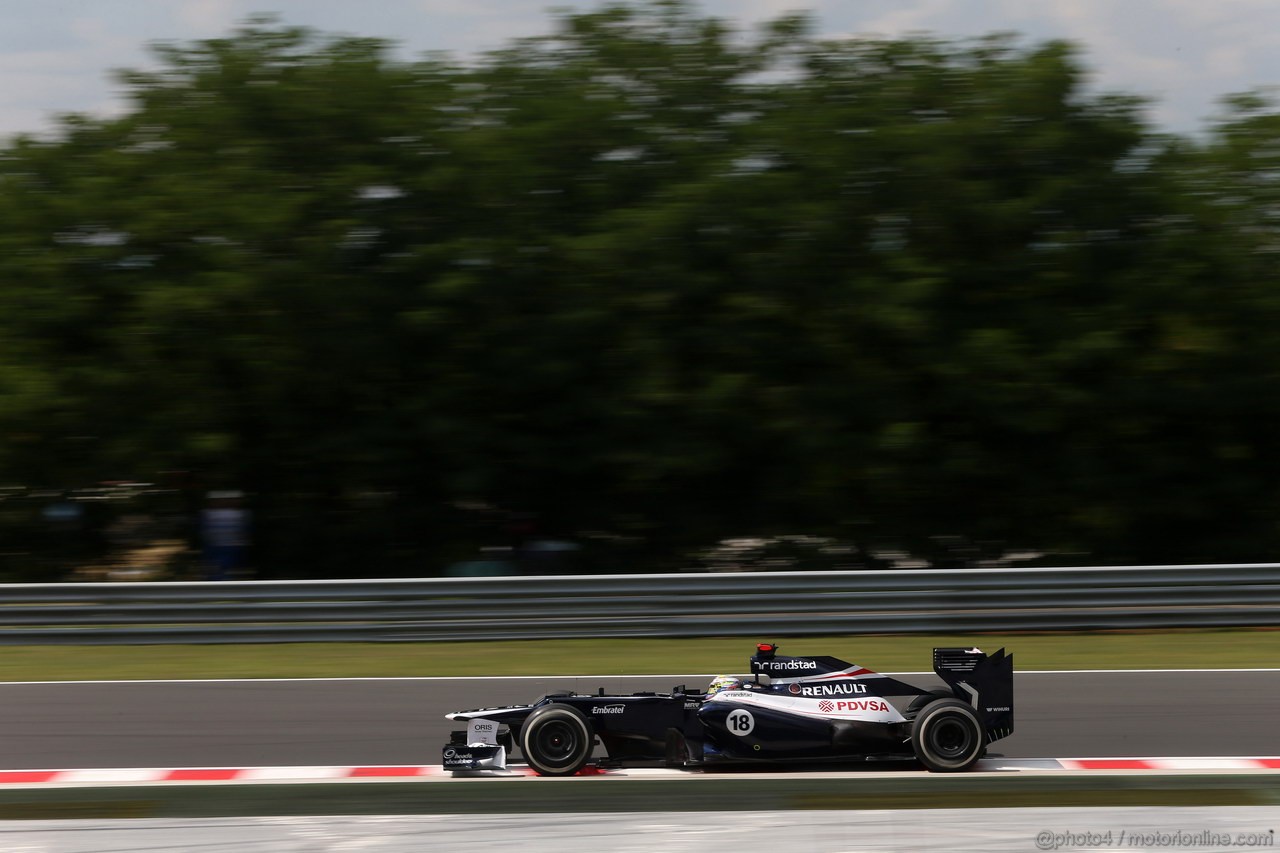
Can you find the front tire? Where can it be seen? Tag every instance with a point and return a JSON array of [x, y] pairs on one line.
[[947, 736], [677, 751], [556, 740]]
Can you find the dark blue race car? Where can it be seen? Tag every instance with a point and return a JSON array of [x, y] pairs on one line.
[[798, 709]]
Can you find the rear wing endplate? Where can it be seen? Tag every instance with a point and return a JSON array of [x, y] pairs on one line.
[[985, 682]]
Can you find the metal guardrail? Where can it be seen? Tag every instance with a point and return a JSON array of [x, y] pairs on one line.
[[683, 605]]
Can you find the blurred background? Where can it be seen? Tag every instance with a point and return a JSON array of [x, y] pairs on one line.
[[650, 292]]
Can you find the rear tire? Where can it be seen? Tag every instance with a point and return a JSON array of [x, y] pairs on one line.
[[918, 704], [556, 740], [947, 736]]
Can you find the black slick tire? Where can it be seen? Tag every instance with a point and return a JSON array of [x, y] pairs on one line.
[[556, 740], [677, 749], [947, 736], [917, 704]]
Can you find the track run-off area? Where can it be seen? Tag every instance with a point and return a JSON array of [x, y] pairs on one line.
[[400, 722], [1131, 760]]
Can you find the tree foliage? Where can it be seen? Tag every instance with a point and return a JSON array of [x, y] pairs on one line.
[[652, 278]]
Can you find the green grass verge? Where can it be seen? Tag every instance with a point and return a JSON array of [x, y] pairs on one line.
[[1128, 650]]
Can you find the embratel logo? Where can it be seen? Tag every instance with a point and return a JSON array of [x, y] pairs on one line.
[[608, 709]]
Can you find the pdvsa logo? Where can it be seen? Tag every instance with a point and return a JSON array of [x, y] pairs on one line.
[[878, 705]]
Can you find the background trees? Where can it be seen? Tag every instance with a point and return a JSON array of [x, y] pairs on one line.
[[651, 281]]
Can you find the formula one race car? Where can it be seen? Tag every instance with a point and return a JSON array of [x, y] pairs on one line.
[[804, 709]]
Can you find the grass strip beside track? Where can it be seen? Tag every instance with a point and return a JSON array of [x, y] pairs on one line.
[[1227, 649]]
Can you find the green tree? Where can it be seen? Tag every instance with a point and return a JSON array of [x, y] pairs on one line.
[[650, 277]]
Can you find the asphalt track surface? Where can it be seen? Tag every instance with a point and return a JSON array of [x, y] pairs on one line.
[[987, 830], [401, 721]]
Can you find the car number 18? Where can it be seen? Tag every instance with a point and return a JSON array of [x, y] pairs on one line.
[[740, 722]]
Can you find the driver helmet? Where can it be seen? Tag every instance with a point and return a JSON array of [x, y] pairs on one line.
[[723, 682]]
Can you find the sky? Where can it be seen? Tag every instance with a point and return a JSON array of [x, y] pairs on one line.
[[56, 56]]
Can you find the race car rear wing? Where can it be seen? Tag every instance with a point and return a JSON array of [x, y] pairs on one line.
[[983, 681]]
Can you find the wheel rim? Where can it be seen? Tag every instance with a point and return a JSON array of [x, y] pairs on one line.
[[950, 738], [557, 742]]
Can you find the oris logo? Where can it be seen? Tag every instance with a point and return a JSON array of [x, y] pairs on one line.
[[608, 709]]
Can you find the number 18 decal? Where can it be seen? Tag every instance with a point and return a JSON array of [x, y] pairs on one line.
[[740, 722]]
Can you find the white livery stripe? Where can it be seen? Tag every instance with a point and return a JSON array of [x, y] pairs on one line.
[[865, 708]]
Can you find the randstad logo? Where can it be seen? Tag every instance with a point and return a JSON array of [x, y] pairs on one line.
[[791, 664]]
